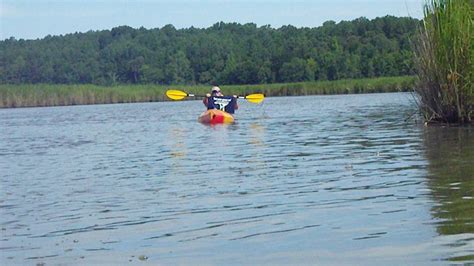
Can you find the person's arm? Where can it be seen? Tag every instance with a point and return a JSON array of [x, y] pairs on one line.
[[236, 106], [206, 99]]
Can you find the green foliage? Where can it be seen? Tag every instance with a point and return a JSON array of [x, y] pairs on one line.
[[445, 56], [54, 95], [226, 53]]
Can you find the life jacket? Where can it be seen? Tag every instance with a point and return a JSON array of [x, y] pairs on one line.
[[223, 103]]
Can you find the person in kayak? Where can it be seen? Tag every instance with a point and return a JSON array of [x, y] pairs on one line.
[[216, 91]]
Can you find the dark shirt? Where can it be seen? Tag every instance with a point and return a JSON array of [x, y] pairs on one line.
[[223, 103]]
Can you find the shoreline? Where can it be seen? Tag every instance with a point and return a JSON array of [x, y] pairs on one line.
[[47, 95]]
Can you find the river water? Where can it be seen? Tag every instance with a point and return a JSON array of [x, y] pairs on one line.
[[297, 180]]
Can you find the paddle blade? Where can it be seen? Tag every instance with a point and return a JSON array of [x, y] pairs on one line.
[[176, 94], [255, 98]]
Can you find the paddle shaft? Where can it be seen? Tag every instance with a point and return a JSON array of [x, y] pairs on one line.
[[193, 95]]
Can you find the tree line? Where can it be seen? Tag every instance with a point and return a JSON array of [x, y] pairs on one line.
[[225, 53]]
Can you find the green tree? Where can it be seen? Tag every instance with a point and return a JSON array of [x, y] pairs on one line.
[[134, 67], [295, 70]]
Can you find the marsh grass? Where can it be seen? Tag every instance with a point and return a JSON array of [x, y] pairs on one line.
[[58, 95], [346, 86], [444, 58]]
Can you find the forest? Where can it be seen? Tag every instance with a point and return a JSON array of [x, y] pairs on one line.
[[225, 53]]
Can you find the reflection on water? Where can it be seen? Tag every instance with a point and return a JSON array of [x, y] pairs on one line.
[[450, 152], [304, 180], [256, 134], [177, 138]]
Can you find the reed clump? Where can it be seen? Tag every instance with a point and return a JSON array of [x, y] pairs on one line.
[[444, 59]]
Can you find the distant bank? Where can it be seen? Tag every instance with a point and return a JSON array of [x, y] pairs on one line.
[[225, 53], [38, 95]]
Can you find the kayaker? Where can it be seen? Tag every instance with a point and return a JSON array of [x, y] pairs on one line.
[[216, 91]]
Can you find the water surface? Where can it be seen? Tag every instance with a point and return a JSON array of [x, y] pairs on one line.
[[297, 180]]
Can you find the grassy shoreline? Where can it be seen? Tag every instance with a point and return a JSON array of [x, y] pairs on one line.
[[38, 95]]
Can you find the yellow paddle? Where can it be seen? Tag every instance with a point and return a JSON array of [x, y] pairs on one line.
[[179, 95]]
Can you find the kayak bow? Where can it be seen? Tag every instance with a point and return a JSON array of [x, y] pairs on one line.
[[214, 116]]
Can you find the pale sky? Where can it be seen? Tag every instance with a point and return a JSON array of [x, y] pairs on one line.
[[31, 19]]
